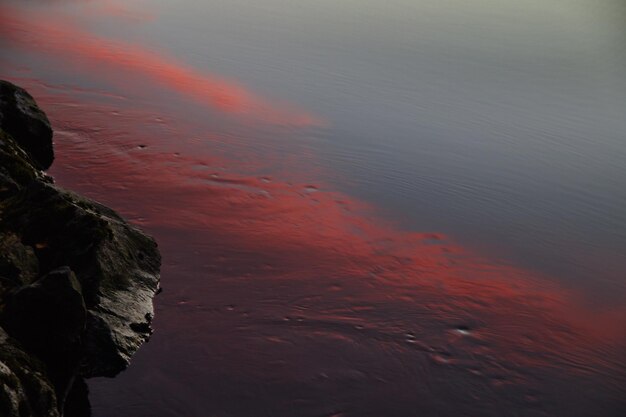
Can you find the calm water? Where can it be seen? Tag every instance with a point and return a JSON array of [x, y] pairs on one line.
[[365, 209]]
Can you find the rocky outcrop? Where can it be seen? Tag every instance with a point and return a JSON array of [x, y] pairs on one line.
[[26, 123], [76, 281]]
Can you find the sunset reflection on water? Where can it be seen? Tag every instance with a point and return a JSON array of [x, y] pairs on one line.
[[283, 294]]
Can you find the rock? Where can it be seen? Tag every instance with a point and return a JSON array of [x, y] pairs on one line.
[[21, 118], [16, 166], [25, 390], [48, 316], [18, 263], [77, 400], [116, 264], [76, 280]]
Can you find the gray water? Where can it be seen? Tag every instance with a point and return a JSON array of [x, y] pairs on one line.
[[498, 122]]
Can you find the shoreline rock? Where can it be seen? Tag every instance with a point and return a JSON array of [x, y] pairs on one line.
[[21, 118], [76, 281]]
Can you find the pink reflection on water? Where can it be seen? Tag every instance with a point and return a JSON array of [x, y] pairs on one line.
[[299, 239], [58, 37]]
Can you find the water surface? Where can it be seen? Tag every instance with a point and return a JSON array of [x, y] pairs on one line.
[[365, 209]]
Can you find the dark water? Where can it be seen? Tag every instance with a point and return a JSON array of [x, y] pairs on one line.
[[365, 209]]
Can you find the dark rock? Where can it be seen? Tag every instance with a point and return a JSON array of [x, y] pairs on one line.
[[48, 317], [21, 118], [16, 166], [77, 400], [25, 389], [76, 280], [18, 263], [116, 264]]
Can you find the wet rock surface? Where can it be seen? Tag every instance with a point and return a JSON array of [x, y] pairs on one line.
[[76, 281]]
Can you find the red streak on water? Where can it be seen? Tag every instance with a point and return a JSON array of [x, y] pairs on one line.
[[314, 239], [59, 37]]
